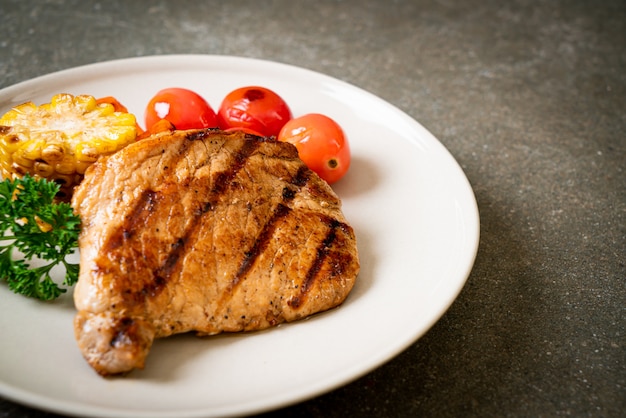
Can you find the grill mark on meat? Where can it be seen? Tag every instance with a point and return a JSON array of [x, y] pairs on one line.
[[258, 247], [163, 273], [302, 177], [299, 180], [322, 252], [148, 202], [260, 244], [223, 178], [143, 206]]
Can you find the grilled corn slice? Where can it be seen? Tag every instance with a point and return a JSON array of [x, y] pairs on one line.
[[60, 139]]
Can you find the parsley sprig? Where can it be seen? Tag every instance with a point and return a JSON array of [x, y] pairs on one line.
[[44, 231]]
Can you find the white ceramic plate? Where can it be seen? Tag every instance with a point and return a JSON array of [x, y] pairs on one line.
[[409, 202]]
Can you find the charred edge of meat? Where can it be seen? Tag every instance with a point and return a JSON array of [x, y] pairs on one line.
[[200, 134], [322, 252], [203, 133]]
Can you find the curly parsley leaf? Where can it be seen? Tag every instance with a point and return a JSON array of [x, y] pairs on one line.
[[44, 231]]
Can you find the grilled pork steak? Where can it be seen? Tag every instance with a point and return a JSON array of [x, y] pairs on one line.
[[203, 231]]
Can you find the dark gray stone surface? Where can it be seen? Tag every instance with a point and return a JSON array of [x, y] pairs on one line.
[[528, 95]]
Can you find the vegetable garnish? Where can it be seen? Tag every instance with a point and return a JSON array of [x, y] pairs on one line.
[[43, 230]]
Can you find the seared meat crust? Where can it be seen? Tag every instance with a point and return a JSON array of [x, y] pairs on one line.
[[203, 231]]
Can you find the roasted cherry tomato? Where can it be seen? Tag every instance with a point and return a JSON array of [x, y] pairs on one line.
[[256, 108], [321, 144], [184, 108]]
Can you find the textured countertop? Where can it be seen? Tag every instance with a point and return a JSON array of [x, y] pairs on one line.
[[529, 96]]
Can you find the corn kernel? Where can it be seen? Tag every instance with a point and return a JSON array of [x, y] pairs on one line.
[[66, 166], [81, 167], [86, 153], [18, 158], [52, 153], [32, 149], [17, 169], [10, 141], [105, 109], [43, 169]]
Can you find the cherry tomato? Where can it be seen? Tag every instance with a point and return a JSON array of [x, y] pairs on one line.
[[256, 108], [321, 144], [184, 108]]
